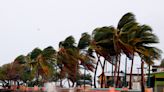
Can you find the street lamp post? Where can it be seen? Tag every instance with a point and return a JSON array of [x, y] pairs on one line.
[[112, 75], [84, 76], [76, 74], [148, 82]]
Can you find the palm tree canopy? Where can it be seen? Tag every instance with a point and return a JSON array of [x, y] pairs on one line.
[[35, 53], [84, 41], [21, 59], [103, 40], [126, 19], [142, 39], [71, 55]]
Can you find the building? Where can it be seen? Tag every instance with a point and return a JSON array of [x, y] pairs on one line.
[[109, 79], [157, 78]]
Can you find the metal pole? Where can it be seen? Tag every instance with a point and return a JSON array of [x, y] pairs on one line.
[[149, 77], [125, 84], [148, 82], [112, 75], [76, 74], [84, 76]]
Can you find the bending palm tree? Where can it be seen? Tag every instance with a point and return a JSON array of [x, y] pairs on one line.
[[141, 41], [42, 62], [71, 56], [108, 41]]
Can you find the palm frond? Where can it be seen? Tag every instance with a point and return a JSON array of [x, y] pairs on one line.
[[128, 17], [84, 41]]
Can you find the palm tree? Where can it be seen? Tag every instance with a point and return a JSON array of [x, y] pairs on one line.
[[86, 57], [133, 36], [141, 41], [126, 26], [67, 59], [70, 56], [21, 69], [42, 62], [101, 46], [110, 41], [49, 56], [129, 37], [148, 57]]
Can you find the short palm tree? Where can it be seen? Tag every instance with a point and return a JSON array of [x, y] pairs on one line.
[[70, 56], [21, 69], [100, 45], [148, 57], [42, 62]]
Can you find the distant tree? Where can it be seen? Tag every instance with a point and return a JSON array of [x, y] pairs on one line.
[[162, 63], [21, 70], [6, 75]]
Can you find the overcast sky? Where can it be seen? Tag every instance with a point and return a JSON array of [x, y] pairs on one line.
[[26, 24]]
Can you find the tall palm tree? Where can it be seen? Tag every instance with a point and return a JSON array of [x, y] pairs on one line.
[[134, 36], [127, 26], [129, 37], [141, 40], [114, 41]]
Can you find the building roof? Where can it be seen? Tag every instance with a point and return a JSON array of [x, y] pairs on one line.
[[158, 74], [121, 74], [157, 66]]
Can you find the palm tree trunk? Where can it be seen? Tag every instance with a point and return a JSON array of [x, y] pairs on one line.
[[118, 73], [95, 74], [96, 71], [131, 71], [102, 79], [142, 77]]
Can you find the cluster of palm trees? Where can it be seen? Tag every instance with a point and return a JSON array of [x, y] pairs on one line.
[[40, 66], [25, 69], [129, 38]]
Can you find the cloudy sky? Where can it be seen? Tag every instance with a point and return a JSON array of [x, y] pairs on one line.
[[26, 24]]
